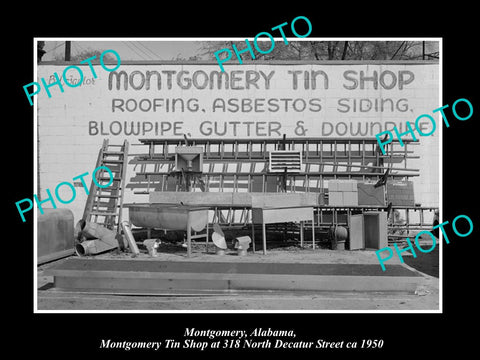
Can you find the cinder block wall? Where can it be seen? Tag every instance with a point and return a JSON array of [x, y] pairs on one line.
[[66, 149]]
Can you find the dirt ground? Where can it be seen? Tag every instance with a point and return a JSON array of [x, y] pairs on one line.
[[280, 248]]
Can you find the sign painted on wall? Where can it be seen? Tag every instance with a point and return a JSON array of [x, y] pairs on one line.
[[167, 100], [249, 100]]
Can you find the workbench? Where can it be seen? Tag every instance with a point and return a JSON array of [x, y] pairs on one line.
[[274, 215]]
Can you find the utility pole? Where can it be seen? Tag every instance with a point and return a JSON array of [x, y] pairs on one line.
[[68, 45]]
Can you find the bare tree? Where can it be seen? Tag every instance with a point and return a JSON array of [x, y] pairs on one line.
[[321, 50], [86, 54]]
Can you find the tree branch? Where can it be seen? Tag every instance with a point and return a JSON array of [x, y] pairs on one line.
[[345, 46]]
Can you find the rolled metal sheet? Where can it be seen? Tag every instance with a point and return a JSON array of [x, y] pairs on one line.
[[130, 238]]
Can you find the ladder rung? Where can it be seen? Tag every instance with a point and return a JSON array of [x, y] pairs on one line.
[[113, 153], [105, 213], [112, 161], [109, 178], [98, 205], [115, 158], [110, 189], [114, 168], [110, 201]]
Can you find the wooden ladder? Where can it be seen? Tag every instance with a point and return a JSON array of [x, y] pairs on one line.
[[104, 204]]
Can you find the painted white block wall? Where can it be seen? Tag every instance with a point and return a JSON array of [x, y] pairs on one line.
[[69, 123]]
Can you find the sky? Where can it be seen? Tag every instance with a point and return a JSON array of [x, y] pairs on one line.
[[128, 50]]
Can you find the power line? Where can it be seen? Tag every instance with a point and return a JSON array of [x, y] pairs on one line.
[[397, 50], [132, 49], [138, 48], [155, 54], [77, 44], [50, 52], [76, 48], [61, 43]]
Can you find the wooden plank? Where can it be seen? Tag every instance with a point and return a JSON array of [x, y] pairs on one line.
[[195, 198], [329, 283], [279, 215], [225, 281], [271, 140], [139, 267], [339, 174], [332, 283], [92, 191], [123, 182], [281, 199], [55, 256], [127, 284]]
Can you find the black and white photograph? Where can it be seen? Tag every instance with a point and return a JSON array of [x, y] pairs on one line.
[[264, 179], [281, 189]]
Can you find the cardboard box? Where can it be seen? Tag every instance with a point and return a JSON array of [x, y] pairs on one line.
[[343, 193], [332, 185], [350, 198], [335, 198], [342, 185], [369, 195], [400, 193]]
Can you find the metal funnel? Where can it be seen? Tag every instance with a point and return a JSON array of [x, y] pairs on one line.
[[188, 153]]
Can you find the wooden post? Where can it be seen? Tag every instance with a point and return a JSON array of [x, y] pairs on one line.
[[189, 236], [301, 234], [253, 237], [313, 232], [206, 240], [264, 235]]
